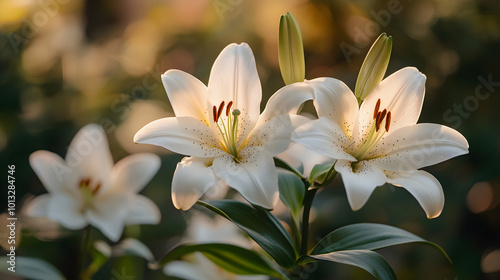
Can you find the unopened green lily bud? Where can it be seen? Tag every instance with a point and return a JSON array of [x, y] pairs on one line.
[[373, 69], [291, 50]]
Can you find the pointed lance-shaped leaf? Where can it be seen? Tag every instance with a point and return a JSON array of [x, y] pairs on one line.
[[291, 50], [374, 66]]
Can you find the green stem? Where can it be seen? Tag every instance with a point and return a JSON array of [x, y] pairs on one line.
[[308, 199], [84, 253]]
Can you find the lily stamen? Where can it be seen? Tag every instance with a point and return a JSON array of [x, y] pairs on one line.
[[228, 128], [388, 121], [228, 107]]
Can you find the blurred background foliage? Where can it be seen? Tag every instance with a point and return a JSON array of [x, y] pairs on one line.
[[66, 63]]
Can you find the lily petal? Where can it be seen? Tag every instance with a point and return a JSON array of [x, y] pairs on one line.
[[143, 211], [275, 134], [286, 101], [234, 78], [417, 146], [191, 271], [360, 183], [109, 213], [402, 93], [89, 155], [39, 206], [255, 177], [301, 157], [51, 169], [183, 135], [66, 211], [187, 95], [424, 187], [325, 137], [132, 173], [334, 100], [192, 178]]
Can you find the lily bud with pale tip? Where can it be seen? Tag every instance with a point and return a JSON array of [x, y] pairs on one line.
[[291, 50], [374, 66]]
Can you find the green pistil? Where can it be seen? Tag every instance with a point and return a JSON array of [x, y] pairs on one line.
[[229, 132]]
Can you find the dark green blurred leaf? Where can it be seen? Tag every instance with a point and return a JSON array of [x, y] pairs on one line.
[[231, 258], [261, 226], [32, 268], [367, 236], [370, 261], [292, 191]]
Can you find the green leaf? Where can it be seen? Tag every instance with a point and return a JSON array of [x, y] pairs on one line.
[[231, 258], [292, 191], [370, 261], [319, 172], [31, 268], [366, 236], [282, 164], [134, 247], [261, 226]]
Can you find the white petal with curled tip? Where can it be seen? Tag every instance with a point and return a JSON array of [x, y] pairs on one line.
[[193, 271], [325, 137], [108, 214], [334, 100], [187, 94], [255, 177], [183, 135], [66, 211], [402, 93], [51, 169], [360, 183], [132, 173], [298, 155], [417, 146], [89, 155], [286, 101], [234, 78], [424, 187], [143, 211], [39, 206], [275, 135], [192, 178]]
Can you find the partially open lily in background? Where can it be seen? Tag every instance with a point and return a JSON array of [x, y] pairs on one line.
[[221, 128], [86, 188], [380, 142]]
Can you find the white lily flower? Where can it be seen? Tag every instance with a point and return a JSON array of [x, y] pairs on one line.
[[381, 141], [221, 128], [86, 188], [303, 159], [203, 229]]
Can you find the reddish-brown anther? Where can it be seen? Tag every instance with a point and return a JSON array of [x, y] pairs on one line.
[[388, 122], [228, 107]]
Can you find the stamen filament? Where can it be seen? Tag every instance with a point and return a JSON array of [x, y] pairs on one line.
[[228, 128]]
